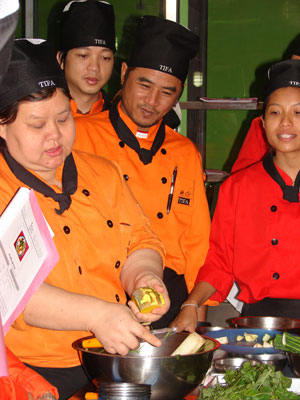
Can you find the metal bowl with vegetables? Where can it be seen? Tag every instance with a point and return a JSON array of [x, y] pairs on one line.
[[277, 360], [223, 364], [171, 376], [290, 343]]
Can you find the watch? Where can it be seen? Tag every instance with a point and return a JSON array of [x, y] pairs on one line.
[[47, 396]]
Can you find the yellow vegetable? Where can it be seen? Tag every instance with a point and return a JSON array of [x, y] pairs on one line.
[[147, 299], [249, 337], [91, 343], [91, 396]]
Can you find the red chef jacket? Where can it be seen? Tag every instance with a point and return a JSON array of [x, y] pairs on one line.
[[254, 239], [254, 148]]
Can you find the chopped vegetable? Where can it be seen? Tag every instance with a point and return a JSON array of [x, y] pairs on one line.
[[287, 342], [147, 299], [191, 344], [250, 337], [267, 344], [222, 340], [249, 382], [91, 343], [266, 337]]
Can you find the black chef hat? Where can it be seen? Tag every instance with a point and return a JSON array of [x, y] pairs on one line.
[[87, 23], [33, 66], [163, 45], [283, 74]]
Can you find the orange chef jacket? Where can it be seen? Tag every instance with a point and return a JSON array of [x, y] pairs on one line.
[[100, 105], [103, 225], [185, 229], [22, 380]]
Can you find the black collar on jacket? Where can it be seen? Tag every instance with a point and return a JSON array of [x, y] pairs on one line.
[[126, 136], [290, 193], [69, 180]]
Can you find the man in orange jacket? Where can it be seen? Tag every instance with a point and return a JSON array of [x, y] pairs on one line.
[[162, 167], [86, 53]]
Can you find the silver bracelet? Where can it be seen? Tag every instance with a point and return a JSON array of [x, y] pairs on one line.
[[188, 304], [47, 396]]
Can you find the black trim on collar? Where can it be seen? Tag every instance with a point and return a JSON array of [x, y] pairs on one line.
[[107, 102], [290, 193], [125, 134], [69, 180]]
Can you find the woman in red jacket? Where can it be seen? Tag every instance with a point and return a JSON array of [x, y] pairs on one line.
[[254, 238]]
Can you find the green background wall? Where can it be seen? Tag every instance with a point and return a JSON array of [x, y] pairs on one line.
[[244, 38]]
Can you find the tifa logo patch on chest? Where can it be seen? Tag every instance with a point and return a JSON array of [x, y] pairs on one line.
[[184, 198]]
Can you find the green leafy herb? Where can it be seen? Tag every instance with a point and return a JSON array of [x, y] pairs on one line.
[[167, 334], [249, 382]]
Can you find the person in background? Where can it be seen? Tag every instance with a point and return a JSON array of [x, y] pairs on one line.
[[86, 53], [22, 382], [255, 145], [104, 241], [162, 167], [256, 225]]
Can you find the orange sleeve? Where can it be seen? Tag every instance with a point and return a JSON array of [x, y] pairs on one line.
[[24, 378], [11, 391]]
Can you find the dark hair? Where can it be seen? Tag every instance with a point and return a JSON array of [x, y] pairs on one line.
[[266, 100], [9, 113]]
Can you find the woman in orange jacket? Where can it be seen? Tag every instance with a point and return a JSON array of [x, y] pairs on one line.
[[104, 240]]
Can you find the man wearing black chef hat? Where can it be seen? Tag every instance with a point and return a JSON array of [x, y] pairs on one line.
[[87, 47], [163, 168]]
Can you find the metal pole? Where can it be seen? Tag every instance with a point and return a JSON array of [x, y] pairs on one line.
[[30, 18], [196, 129]]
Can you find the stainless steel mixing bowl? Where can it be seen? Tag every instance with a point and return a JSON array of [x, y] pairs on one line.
[[278, 360], [294, 362], [223, 364], [291, 325], [171, 378]]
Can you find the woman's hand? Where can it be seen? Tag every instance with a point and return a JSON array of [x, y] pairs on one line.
[[186, 320], [151, 280], [119, 331]]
